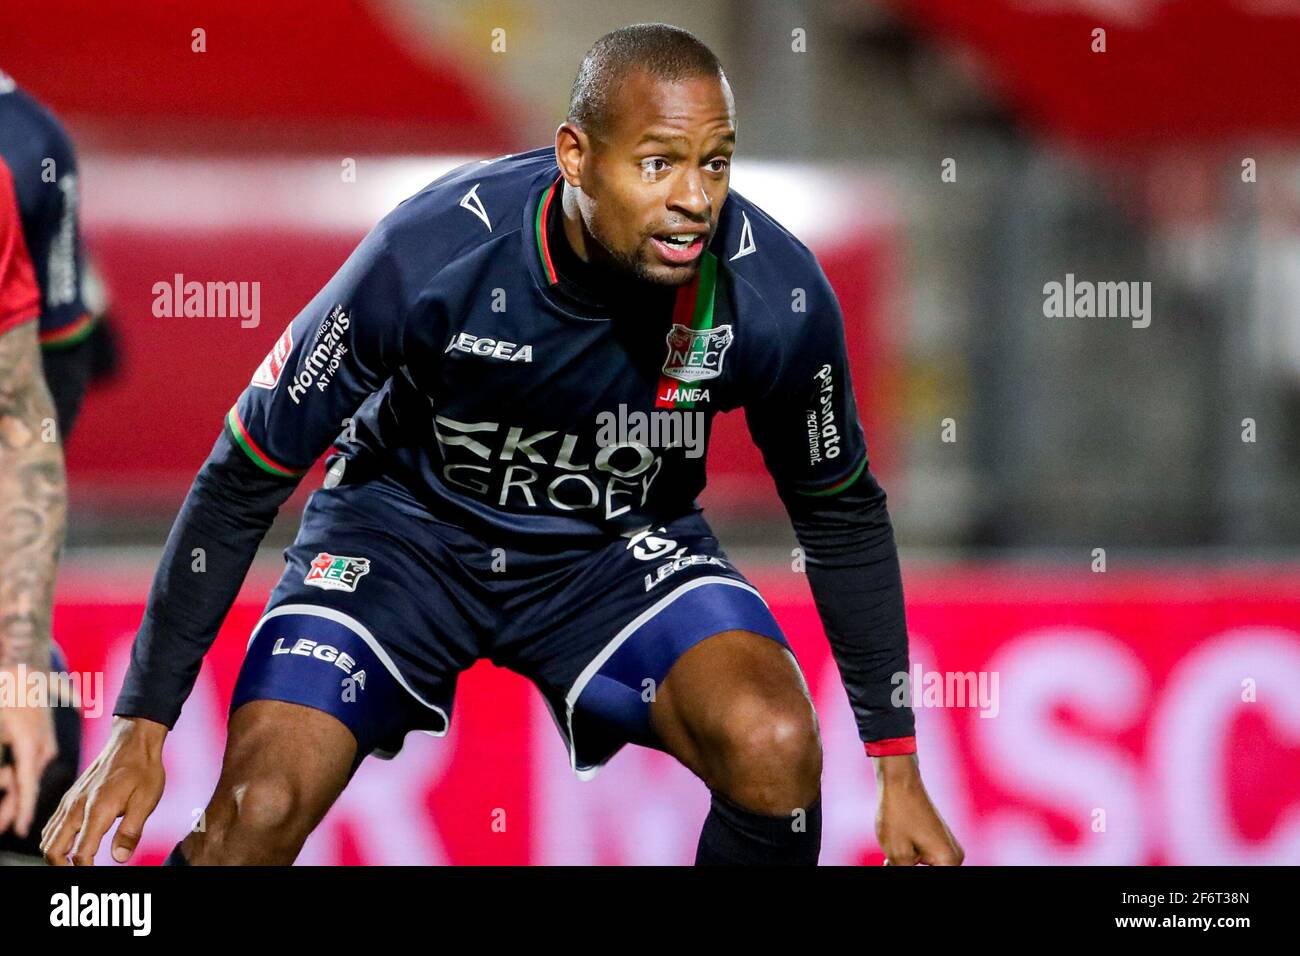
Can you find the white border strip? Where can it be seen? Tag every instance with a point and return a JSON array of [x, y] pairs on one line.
[[360, 630], [818, 202], [590, 671]]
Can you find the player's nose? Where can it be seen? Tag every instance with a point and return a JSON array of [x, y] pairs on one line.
[[689, 197]]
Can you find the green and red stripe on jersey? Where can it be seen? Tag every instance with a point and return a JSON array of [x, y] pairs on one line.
[[251, 449], [839, 486], [70, 334], [692, 307], [543, 247]]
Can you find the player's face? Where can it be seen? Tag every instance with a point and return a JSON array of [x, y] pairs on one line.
[[656, 185]]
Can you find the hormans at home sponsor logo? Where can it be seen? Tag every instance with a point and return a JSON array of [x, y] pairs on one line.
[[327, 351]]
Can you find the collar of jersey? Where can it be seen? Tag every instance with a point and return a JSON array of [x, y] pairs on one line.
[[693, 306]]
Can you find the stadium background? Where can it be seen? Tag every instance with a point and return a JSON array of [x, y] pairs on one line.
[[1147, 713]]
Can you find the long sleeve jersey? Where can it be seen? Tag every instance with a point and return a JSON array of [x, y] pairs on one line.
[[450, 353]]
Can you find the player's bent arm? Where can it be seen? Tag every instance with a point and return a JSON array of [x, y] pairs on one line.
[[33, 501], [853, 570], [229, 507], [806, 424], [851, 560], [282, 422], [212, 543]]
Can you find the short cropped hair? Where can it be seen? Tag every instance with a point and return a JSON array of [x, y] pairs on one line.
[[659, 49]]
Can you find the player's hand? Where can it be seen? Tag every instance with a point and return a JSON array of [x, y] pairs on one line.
[[29, 734], [908, 826], [126, 780]]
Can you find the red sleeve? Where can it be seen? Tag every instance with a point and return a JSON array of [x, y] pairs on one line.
[[20, 299]]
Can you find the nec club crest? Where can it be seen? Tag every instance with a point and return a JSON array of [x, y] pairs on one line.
[[268, 373], [334, 572], [695, 355]]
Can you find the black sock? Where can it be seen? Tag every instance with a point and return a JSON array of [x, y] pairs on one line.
[[176, 857], [736, 836]]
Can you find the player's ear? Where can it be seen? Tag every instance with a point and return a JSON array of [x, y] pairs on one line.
[[571, 144]]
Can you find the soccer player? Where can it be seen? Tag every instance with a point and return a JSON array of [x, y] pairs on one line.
[[47, 359], [465, 362]]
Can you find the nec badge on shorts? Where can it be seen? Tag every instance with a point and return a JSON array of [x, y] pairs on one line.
[[336, 572]]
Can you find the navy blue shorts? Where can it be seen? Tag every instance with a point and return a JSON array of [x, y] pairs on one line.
[[382, 605]]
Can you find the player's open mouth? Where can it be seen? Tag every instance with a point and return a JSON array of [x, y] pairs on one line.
[[679, 248]]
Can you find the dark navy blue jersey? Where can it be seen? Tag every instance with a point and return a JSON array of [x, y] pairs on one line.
[[445, 354], [520, 396], [39, 154]]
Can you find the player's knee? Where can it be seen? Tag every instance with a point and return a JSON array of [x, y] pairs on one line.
[[770, 753], [267, 805], [255, 822]]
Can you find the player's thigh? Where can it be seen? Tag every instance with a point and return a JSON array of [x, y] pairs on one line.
[[601, 648], [364, 624]]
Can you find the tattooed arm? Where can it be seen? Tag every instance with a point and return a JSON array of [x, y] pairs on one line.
[[33, 508], [32, 512], [33, 502]]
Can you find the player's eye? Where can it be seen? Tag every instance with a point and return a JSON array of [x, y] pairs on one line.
[[649, 167], [725, 163]]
